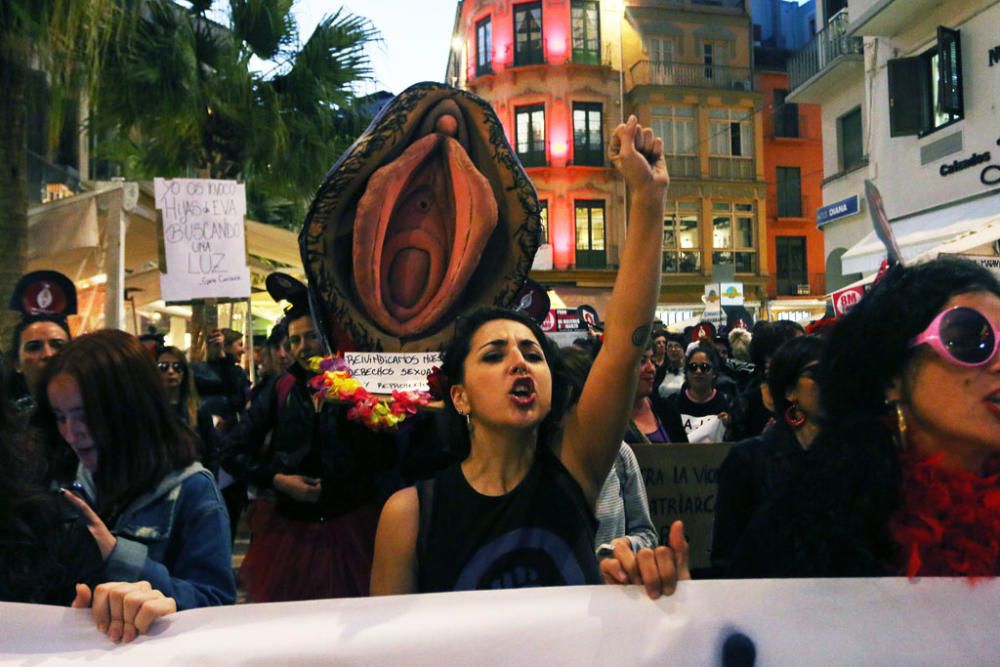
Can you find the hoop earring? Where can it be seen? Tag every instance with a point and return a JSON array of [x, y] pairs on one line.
[[794, 416], [900, 424]]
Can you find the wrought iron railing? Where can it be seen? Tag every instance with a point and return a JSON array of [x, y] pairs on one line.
[[733, 168], [829, 44], [662, 73]]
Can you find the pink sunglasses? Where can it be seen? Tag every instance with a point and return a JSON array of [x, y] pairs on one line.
[[961, 335]]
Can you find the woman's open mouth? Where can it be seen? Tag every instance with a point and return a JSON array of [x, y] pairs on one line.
[[523, 392]]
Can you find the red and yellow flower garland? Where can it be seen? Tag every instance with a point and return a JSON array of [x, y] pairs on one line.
[[333, 379]]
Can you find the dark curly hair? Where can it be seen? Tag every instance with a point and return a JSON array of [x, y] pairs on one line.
[[453, 368], [833, 518]]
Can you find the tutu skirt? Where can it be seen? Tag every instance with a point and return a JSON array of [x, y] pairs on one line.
[[305, 560]]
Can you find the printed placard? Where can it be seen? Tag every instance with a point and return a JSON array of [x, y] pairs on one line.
[[383, 372], [847, 298], [681, 483], [204, 239]]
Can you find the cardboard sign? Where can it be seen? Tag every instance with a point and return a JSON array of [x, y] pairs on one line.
[[847, 298], [731, 294], [204, 241], [681, 482], [991, 262], [383, 372]]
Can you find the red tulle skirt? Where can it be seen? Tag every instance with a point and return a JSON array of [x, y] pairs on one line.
[[304, 560]]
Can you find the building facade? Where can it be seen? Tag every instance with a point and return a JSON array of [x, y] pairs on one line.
[[909, 92], [793, 165], [561, 74]]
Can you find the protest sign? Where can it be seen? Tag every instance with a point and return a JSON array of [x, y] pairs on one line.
[[681, 483], [204, 239], [872, 622], [383, 372]]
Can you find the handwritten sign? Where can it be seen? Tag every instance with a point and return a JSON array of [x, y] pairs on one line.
[[383, 372], [203, 239], [681, 483]]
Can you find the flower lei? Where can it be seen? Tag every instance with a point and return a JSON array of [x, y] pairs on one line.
[[949, 521], [333, 379]]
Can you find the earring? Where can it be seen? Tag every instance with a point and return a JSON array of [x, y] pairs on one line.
[[900, 424], [793, 416]]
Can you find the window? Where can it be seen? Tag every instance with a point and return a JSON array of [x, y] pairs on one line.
[[484, 47], [708, 56], [543, 216], [678, 128], [850, 147], [731, 132], [733, 236], [660, 49], [790, 256], [786, 115], [789, 192], [681, 237], [590, 250], [528, 34], [586, 32], [925, 91], [530, 134], [588, 144]]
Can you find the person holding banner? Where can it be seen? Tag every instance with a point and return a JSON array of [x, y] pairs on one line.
[[517, 510], [153, 511], [903, 476]]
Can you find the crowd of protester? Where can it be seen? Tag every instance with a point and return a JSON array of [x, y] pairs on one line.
[[125, 472]]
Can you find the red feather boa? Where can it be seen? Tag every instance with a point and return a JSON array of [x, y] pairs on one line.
[[949, 521]]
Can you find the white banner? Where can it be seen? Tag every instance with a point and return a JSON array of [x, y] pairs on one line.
[[789, 622], [383, 372], [204, 239]]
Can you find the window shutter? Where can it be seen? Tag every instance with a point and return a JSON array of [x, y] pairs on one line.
[[950, 71], [907, 96]]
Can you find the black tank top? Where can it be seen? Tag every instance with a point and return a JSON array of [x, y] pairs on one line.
[[539, 534]]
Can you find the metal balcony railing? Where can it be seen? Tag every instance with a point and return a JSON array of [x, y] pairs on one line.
[[823, 50], [683, 166], [733, 168], [658, 73]]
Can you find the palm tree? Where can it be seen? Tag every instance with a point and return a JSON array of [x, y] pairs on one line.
[[64, 41], [184, 95]]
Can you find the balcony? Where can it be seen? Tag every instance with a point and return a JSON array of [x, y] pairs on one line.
[[683, 166], [826, 64], [656, 73], [731, 168]]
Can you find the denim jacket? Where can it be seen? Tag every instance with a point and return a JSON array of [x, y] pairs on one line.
[[176, 537]]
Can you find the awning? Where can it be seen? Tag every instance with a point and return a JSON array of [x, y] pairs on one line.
[[952, 229]]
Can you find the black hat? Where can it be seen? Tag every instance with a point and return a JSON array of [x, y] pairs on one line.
[[282, 286], [44, 294]]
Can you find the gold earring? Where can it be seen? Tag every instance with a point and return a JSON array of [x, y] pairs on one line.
[[900, 424]]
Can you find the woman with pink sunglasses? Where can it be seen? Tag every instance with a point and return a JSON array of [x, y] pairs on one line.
[[902, 479]]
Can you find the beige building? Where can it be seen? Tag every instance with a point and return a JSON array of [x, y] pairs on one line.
[[561, 74]]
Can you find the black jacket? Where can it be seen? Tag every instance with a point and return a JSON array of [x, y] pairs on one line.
[[323, 444], [755, 471]]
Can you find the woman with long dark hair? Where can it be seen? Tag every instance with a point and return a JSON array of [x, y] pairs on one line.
[[154, 512], [517, 510], [178, 379], [902, 478]]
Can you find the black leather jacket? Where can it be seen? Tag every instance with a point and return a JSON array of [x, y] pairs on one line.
[[323, 444]]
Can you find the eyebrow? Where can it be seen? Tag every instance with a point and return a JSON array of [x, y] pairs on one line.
[[502, 342]]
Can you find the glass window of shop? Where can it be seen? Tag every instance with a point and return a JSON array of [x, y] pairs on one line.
[[590, 241], [543, 216]]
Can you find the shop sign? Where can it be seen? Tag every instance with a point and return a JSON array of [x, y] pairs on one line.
[[847, 298], [837, 210], [961, 165]]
